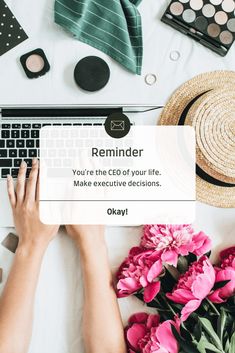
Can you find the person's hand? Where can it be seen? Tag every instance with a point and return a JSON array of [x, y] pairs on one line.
[[24, 201], [89, 234]]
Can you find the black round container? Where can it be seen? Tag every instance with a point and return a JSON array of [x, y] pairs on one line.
[[91, 73]]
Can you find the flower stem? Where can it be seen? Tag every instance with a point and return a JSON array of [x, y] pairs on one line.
[[167, 304], [213, 306]]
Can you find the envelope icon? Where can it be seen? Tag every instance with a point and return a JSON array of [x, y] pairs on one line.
[[118, 125]]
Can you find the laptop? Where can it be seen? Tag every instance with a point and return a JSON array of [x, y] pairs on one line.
[[19, 135]]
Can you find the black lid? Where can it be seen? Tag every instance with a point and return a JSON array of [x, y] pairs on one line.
[[91, 73]]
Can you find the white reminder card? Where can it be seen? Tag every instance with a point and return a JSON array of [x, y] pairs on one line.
[[88, 177]]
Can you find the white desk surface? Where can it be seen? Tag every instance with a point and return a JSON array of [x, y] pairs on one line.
[[58, 307]]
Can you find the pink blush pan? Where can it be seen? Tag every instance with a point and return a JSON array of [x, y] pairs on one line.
[[35, 63]]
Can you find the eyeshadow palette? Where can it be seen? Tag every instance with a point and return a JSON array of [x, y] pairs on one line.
[[210, 22], [35, 63], [11, 32], [10, 242]]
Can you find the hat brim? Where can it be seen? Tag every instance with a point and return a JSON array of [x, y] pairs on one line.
[[207, 192]]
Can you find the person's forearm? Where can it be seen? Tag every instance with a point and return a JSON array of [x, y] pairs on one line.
[[16, 302], [102, 324]]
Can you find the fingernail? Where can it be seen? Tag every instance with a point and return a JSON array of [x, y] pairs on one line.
[[8, 177], [34, 161], [23, 164]]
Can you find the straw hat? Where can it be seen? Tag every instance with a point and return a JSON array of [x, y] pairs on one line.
[[207, 102]]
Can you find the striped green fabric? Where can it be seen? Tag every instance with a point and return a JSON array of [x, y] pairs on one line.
[[112, 26]]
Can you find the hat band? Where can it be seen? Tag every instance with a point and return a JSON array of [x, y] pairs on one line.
[[201, 173]]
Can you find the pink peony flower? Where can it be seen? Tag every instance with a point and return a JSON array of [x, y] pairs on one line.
[[226, 272], [171, 241], [193, 286], [140, 269], [145, 334], [227, 257], [202, 244]]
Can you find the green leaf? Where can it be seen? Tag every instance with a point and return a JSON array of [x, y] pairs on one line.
[[221, 324], [229, 326], [227, 346], [182, 264], [191, 258], [220, 284], [175, 333], [139, 296], [203, 345], [168, 281], [177, 307], [189, 347], [186, 346], [226, 340], [186, 334], [207, 326], [232, 344], [194, 316], [198, 331], [208, 254], [229, 308]]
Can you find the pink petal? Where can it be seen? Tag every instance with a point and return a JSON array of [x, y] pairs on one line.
[[228, 274], [166, 337], [202, 286], [226, 291], [134, 334], [154, 256], [177, 322], [170, 257], [186, 249], [128, 284], [136, 250], [202, 244], [143, 281], [154, 271], [209, 271], [153, 321], [139, 318], [151, 291], [215, 297], [189, 308], [181, 296], [226, 252]]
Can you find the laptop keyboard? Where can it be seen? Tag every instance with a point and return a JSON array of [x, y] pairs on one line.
[[20, 141]]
